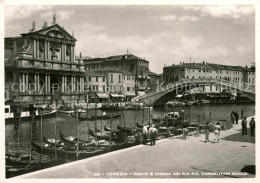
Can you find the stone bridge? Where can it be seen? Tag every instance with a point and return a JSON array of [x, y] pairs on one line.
[[245, 89]]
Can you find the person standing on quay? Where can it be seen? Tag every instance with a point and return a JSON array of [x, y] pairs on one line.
[[244, 125], [252, 126], [232, 116], [145, 131], [207, 132], [236, 117], [217, 131], [153, 133]]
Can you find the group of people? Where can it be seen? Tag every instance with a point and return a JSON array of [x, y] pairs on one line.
[[234, 117], [217, 129], [149, 129], [251, 125]]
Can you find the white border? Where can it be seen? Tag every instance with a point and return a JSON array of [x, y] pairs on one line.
[[122, 2]]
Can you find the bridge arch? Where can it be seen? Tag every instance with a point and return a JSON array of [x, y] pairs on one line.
[[246, 89]]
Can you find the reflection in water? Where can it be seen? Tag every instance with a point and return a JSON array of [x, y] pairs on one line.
[[68, 125]]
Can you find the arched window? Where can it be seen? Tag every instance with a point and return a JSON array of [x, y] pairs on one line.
[[187, 77]]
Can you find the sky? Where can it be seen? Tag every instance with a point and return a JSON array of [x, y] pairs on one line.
[[163, 35]]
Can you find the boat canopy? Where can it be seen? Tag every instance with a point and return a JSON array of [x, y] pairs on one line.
[[178, 96], [129, 94], [117, 95], [102, 95], [140, 93]]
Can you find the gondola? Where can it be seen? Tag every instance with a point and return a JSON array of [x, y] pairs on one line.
[[12, 171], [114, 136], [118, 132], [125, 129], [83, 118], [17, 159], [59, 143], [105, 116], [63, 152], [72, 140], [24, 165]]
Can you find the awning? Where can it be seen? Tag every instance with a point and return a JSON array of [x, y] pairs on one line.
[[102, 95], [122, 96], [178, 96], [129, 94], [140, 93], [114, 95]]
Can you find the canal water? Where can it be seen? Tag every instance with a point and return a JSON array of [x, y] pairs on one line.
[[68, 125]]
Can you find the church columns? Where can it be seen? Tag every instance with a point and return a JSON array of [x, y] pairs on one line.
[[46, 83], [46, 49], [49, 83], [65, 84], [72, 85]]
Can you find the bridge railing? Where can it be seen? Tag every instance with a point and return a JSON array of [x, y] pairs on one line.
[[242, 86]]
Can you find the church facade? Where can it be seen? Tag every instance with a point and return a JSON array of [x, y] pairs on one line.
[[40, 66]]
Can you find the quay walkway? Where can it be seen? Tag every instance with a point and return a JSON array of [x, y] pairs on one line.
[[169, 158]]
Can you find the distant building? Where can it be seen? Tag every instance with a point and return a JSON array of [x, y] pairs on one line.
[[138, 67], [182, 71], [96, 87], [155, 79], [40, 66]]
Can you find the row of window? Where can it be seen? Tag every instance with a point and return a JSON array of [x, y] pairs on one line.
[[143, 63], [96, 78], [129, 78], [209, 71], [103, 88], [173, 79]]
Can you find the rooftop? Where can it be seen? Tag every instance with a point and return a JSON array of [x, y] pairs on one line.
[[193, 66], [118, 58], [210, 66]]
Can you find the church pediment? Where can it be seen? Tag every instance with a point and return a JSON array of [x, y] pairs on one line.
[[56, 31]]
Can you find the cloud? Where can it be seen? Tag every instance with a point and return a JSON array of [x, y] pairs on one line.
[[228, 11], [20, 12], [60, 15], [243, 49], [168, 17], [189, 18]]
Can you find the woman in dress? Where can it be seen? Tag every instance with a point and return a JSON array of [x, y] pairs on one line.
[[217, 131]]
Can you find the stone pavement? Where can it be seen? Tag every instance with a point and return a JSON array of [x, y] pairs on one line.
[[169, 158]]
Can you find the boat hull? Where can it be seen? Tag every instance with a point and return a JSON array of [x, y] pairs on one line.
[[28, 118]]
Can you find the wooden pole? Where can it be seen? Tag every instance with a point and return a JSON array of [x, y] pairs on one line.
[[31, 139], [149, 113], [96, 124], [189, 115], [77, 135], [41, 141], [110, 130], [166, 118], [19, 131], [124, 126], [102, 126], [55, 133], [87, 119]]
